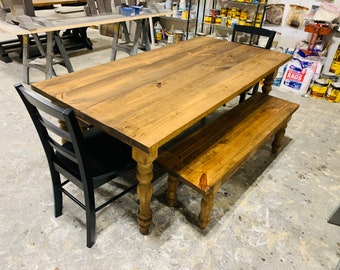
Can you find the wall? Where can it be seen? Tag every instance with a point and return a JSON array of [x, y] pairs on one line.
[[290, 35]]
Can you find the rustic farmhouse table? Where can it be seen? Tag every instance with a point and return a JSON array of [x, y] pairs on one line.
[[148, 99]]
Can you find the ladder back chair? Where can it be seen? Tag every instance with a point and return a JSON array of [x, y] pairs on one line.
[[251, 35], [88, 159]]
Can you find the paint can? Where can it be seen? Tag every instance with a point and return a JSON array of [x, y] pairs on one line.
[[178, 36], [207, 19], [229, 22], [330, 77], [159, 36], [191, 35], [241, 22], [333, 93], [185, 14], [244, 15], [170, 39], [319, 88], [218, 20]]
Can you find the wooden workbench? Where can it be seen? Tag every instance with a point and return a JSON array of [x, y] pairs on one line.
[[57, 22]]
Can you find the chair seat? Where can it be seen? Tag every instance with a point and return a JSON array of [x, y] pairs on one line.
[[105, 154]]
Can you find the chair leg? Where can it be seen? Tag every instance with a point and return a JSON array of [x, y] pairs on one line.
[[255, 89], [90, 218], [57, 193], [243, 97], [172, 190]]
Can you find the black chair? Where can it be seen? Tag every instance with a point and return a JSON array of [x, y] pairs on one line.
[[88, 159], [251, 35]]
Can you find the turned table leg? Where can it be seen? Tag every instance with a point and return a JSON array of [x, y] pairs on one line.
[[268, 82], [144, 190]]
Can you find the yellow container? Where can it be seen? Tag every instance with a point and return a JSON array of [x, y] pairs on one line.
[[229, 21], [207, 19], [218, 20], [238, 13], [159, 35], [233, 12], [319, 88], [335, 66], [185, 14], [333, 93], [249, 22], [258, 17], [244, 14], [178, 36]]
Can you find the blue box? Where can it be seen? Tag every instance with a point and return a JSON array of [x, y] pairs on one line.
[[138, 9], [128, 11]]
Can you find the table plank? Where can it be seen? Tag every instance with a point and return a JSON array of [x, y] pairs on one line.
[[39, 3], [71, 20], [148, 99]]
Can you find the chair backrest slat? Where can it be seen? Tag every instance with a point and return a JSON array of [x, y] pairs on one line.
[[49, 132], [253, 32], [63, 151], [56, 130]]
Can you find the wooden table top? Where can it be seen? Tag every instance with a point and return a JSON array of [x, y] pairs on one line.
[[148, 99], [58, 21], [38, 3]]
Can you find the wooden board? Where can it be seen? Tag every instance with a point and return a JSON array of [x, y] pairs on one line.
[[69, 21], [218, 149]]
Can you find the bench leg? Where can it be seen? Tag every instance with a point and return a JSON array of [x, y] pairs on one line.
[[172, 190], [207, 203], [278, 139]]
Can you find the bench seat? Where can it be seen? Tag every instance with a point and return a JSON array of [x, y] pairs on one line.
[[211, 155]]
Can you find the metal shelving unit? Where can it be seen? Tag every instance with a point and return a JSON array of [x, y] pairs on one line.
[[254, 10], [184, 24]]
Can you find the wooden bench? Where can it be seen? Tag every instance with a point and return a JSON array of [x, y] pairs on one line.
[[212, 154]]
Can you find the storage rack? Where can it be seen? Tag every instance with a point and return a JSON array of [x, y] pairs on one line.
[[256, 8], [188, 23]]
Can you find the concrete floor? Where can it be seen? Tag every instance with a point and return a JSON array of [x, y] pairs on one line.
[[271, 215]]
